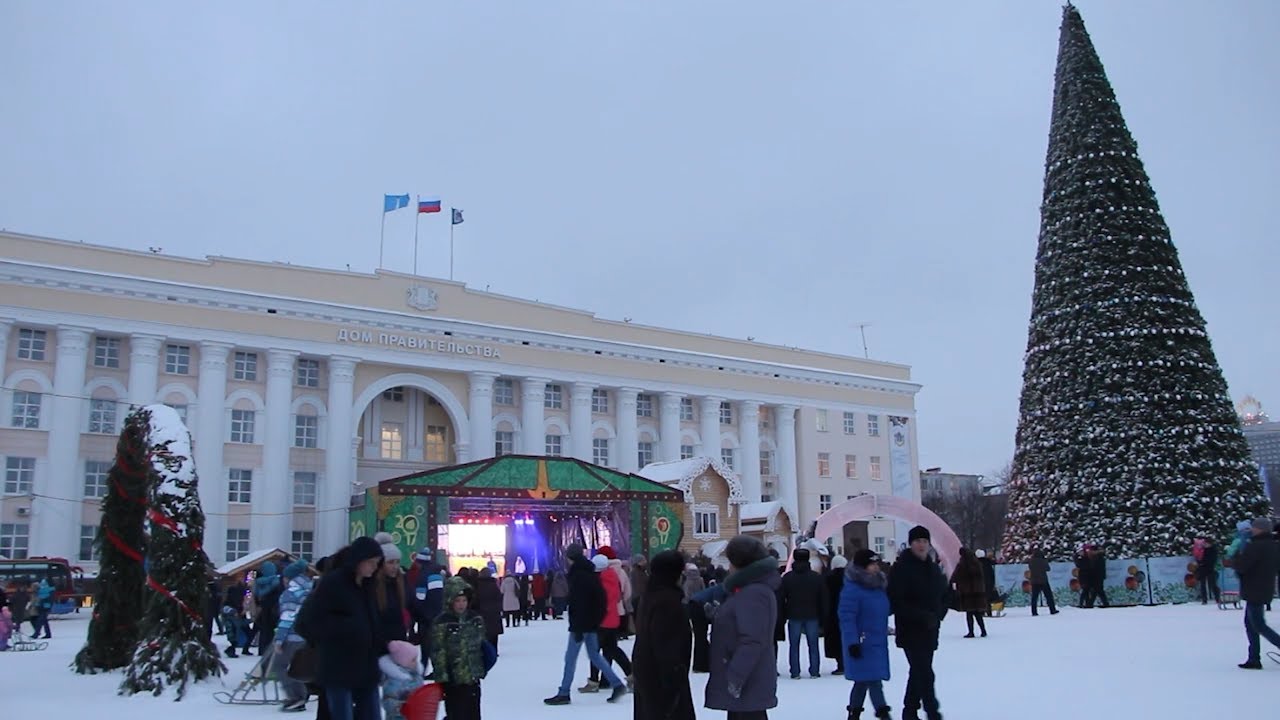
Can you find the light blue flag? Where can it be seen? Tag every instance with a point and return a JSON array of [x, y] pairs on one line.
[[394, 202]]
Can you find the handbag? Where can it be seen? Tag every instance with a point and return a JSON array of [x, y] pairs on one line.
[[490, 655], [302, 667]]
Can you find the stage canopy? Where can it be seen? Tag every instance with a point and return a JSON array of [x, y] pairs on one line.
[[413, 507]]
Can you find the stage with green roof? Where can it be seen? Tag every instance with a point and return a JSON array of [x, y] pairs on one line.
[[565, 497]]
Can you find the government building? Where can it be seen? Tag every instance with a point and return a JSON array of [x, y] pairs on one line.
[[303, 386]]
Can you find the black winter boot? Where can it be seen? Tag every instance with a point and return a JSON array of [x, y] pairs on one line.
[[854, 713], [883, 713]]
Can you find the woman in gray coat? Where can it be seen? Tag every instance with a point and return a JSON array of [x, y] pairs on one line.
[[744, 676]]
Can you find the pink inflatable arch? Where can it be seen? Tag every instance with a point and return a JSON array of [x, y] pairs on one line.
[[864, 507]]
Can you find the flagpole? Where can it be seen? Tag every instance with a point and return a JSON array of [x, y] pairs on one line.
[[382, 236], [415, 236], [451, 226]]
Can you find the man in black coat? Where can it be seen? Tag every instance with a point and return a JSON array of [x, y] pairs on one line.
[[917, 597], [1098, 576], [586, 612], [1257, 564], [1207, 572], [340, 618], [804, 603], [664, 642]]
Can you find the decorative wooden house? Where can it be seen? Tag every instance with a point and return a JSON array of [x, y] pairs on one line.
[[712, 496], [770, 522]]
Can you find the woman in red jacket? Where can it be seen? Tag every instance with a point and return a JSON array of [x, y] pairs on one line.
[[609, 626], [540, 592]]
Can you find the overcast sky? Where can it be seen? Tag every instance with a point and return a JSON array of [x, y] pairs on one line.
[[767, 169]]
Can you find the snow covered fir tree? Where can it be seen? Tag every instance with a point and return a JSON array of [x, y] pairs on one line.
[[1126, 435], [173, 648], [120, 544]]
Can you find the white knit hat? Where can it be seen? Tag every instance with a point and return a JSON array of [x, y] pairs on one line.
[[601, 562], [389, 549], [839, 562]]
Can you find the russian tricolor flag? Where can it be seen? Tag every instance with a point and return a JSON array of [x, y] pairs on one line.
[[429, 205]]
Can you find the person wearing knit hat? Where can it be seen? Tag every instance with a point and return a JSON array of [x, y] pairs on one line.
[[832, 648], [1257, 565], [288, 641], [917, 593], [600, 562], [390, 551], [586, 611], [347, 664], [864, 628], [607, 551]]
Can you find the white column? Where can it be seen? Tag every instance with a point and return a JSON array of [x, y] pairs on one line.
[[749, 449], [211, 399], [271, 525], [55, 527], [580, 420], [144, 367], [788, 487], [709, 427], [533, 395], [626, 459], [669, 426], [334, 493], [6, 326], [414, 428], [481, 401]]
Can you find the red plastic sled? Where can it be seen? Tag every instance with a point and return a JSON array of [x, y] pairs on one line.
[[423, 703]]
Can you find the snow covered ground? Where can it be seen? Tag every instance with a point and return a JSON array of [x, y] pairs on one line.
[[1161, 662]]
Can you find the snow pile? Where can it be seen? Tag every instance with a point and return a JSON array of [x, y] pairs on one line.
[[170, 443]]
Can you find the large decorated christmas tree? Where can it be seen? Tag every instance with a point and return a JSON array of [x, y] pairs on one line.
[[121, 544], [173, 647], [1127, 436]]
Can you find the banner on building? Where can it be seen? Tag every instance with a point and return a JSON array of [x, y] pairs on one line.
[[900, 476]]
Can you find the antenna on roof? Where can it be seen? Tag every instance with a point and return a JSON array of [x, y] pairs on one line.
[[155, 250], [862, 329], [626, 319]]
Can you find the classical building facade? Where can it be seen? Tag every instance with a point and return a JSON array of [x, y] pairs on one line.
[[301, 386]]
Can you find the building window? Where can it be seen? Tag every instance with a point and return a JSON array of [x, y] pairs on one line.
[[102, 416], [303, 544], [824, 464], [873, 425], [875, 467], [26, 410], [32, 344], [644, 453], [304, 489], [851, 467], [307, 373], [600, 451], [88, 553], [706, 522], [237, 544], [553, 397], [600, 401], [766, 497], [437, 444], [306, 431], [395, 394], [821, 420], [850, 424], [824, 503], [106, 352], [391, 446], [726, 413], [644, 405], [686, 452], [726, 457], [504, 392], [19, 475], [504, 443], [242, 426], [95, 478], [181, 410], [177, 359], [766, 462], [15, 540], [880, 545], [554, 448], [686, 409], [239, 486], [245, 366]]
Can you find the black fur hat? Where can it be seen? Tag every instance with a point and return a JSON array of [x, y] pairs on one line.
[[666, 569]]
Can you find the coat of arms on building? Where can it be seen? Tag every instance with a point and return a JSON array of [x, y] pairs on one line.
[[422, 298]]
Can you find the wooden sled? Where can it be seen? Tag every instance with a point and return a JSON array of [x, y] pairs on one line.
[[18, 643], [259, 686], [1229, 599], [997, 608]]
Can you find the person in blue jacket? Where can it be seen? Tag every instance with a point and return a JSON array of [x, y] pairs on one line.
[[864, 628], [44, 606]]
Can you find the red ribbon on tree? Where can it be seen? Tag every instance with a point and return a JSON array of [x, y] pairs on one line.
[[151, 583], [123, 547]]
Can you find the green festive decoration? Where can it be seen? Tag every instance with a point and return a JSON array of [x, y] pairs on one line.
[[120, 543], [1127, 436], [173, 647]]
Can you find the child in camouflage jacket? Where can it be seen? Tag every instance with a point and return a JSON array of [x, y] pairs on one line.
[[457, 653]]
